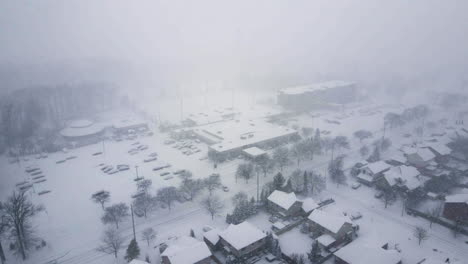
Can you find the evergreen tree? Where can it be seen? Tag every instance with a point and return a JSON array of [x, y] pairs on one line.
[[133, 251], [317, 142], [192, 233], [278, 181], [375, 156], [314, 254]]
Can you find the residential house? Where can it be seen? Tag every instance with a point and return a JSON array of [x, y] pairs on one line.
[[185, 250], [308, 205], [397, 159], [357, 253], [339, 228], [420, 157], [456, 207], [242, 240], [284, 204], [403, 178], [211, 239], [372, 171]]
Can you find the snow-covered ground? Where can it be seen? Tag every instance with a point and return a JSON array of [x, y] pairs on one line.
[[71, 223]]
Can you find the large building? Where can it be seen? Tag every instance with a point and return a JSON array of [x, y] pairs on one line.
[[319, 95]]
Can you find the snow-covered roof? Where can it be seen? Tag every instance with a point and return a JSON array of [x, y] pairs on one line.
[[137, 261], [407, 175], [365, 177], [329, 221], [80, 128], [254, 151], [296, 90], [440, 148], [425, 154], [408, 150], [399, 157], [457, 198], [212, 236], [355, 253], [378, 166], [282, 199], [186, 250], [308, 204], [241, 235], [326, 240]]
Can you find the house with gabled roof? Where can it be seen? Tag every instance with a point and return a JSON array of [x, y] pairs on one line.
[[242, 240], [421, 158], [357, 253], [331, 225], [185, 250], [403, 178], [284, 204], [372, 171], [211, 239]]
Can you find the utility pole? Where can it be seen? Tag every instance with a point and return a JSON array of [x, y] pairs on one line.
[[133, 222], [136, 172]]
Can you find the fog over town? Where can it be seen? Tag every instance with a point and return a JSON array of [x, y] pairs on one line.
[[267, 132]]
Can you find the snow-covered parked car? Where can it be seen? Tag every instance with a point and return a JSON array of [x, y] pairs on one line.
[[356, 185], [123, 167], [150, 159], [355, 215]]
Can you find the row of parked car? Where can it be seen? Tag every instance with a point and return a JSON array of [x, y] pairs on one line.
[[109, 169]]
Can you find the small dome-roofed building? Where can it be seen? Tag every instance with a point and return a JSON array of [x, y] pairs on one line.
[[82, 132]]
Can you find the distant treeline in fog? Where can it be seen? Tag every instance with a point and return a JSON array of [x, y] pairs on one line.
[[31, 117]]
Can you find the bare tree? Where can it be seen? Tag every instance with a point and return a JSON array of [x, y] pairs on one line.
[[144, 185], [115, 214], [265, 163], [362, 134], [213, 204], [19, 211], [433, 214], [148, 235], [101, 197], [167, 196], [316, 183], [239, 198], [335, 171], [245, 170], [112, 242], [297, 181], [186, 175], [191, 187], [420, 234], [281, 157], [145, 203], [212, 183], [388, 197]]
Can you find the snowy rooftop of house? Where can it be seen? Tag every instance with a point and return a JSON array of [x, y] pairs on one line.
[[212, 236], [399, 157], [241, 235], [308, 204], [80, 128], [329, 221], [440, 148], [425, 154], [365, 177], [326, 240], [282, 199], [409, 175], [314, 87], [457, 198], [353, 254], [378, 166], [236, 134], [407, 150], [136, 261], [186, 250], [254, 151]]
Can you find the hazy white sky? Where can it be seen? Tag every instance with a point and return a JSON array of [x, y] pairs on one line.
[[206, 38]]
